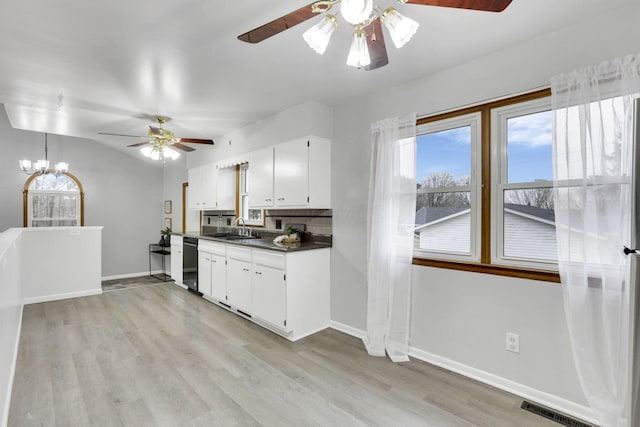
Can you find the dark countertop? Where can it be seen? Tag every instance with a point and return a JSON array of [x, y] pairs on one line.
[[262, 243]]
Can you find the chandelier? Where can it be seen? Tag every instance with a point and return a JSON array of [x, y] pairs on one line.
[[42, 166], [360, 14]]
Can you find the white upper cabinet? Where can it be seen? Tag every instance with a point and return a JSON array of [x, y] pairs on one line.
[[202, 187], [211, 188], [261, 178], [294, 174], [291, 173], [226, 186]]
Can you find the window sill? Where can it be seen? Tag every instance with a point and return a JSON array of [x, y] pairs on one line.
[[499, 270]]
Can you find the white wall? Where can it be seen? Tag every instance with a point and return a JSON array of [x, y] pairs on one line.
[[459, 316], [60, 262], [122, 193], [10, 315]]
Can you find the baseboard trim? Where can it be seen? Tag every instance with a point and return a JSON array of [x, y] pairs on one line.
[[56, 297], [545, 399], [349, 330], [12, 372], [130, 275]]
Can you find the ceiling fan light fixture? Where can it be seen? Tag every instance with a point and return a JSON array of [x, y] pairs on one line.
[[400, 27], [170, 153], [356, 11], [359, 53], [318, 36]]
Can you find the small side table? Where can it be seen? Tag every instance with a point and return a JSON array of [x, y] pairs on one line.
[[163, 251]]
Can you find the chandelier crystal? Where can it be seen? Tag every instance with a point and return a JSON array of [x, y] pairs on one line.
[[42, 166]]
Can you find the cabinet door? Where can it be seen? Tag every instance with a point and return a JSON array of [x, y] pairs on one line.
[[291, 173], [176, 263], [260, 183], [269, 295], [193, 189], [208, 186], [239, 284], [226, 191], [204, 273], [218, 278]]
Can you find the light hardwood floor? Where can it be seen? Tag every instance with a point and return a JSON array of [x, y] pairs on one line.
[[158, 355]]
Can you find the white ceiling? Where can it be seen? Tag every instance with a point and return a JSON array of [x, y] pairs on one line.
[[81, 67]]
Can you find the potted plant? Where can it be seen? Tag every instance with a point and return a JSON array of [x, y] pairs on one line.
[[293, 235], [165, 240]]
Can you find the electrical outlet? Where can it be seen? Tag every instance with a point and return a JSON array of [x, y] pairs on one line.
[[513, 342]]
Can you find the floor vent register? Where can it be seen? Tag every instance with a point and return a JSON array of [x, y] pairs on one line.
[[552, 415]]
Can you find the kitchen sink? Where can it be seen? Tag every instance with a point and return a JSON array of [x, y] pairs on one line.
[[239, 237], [231, 236]]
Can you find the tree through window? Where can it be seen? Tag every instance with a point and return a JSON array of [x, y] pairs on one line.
[[53, 201]]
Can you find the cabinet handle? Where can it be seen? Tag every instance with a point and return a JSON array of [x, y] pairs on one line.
[[204, 203], [257, 272], [213, 260], [245, 269], [267, 200], [281, 199], [207, 259]]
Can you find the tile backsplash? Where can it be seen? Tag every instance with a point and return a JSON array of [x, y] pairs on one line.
[[317, 221]]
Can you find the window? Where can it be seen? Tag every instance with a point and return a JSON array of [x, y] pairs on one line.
[[250, 216], [484, 193], [51, 201], [523, 217], [448, 196]]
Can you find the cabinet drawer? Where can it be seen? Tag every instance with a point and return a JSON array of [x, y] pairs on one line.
[[241, 254], [269, 259], [211, 247]]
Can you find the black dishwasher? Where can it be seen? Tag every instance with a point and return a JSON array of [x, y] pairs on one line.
[[190, 263]]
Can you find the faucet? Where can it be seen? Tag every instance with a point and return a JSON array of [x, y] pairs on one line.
[[242, 232]]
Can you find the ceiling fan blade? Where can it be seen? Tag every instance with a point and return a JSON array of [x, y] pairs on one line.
[[139, 144], [120, 134], [182, 147], [278, 25], [486, 5], [377, 48], [195, 141]]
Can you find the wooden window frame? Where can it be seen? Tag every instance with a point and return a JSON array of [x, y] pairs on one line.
[[25, 197], [485, 265]]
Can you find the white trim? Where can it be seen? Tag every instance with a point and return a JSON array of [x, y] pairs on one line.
[[543, 398], [349, 330], [531, 217], [443, 219], [56, 297], [12, 372], [130, 275]]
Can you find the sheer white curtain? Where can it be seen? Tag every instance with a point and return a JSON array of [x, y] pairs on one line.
[[391, 220], [593, 155]]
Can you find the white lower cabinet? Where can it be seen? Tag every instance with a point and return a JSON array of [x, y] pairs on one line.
[[209, 254], [239, 278], [287, 293], [204, 273], [219, 277], [269, 288], [176, 259]]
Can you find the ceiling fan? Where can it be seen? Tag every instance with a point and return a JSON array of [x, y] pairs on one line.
[[160, 143], [368, 48]]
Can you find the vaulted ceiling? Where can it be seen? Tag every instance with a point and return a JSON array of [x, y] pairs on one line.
[[81, 67]]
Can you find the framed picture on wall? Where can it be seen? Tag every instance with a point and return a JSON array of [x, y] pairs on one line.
[[167, 223], [167, 207]]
